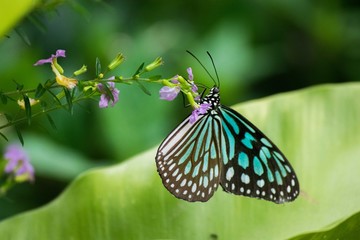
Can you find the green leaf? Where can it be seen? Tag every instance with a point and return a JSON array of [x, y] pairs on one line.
[[97, 67], [23, 35], [54, 96], [8, 117], [51, 121], [347, 229], [143, 88], [108, 91], [69, 99], [12, 12], [4, 137], [3, 98], [40, 90], [19, 86], [49, 83], [36, 19], [154, 78], [318, 130], [55, 161], [140, 68], [19, 135], [27, 108]]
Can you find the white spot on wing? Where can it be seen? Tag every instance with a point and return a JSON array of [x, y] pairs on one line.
[[229, 173]]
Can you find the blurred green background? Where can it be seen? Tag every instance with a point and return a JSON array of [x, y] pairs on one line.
[[260, 48]]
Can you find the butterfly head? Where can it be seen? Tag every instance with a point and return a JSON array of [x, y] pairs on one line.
[[213, 97]]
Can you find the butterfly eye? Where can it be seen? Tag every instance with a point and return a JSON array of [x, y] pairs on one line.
[[215, 90]]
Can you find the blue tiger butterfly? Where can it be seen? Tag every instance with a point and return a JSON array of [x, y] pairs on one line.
[[224, 148]]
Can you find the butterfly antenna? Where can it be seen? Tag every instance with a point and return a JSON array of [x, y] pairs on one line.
[[202, 65], [216, 73]]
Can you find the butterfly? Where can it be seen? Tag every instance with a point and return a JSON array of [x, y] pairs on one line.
[[223, 148]]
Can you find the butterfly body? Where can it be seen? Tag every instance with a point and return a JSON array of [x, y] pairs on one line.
[[223, 148]]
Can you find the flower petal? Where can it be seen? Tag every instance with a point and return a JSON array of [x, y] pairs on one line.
[[43, 61], [175, 79], [69, 83], [18, 162], [59, 53], [201, 110], [169, 93], [104, 101], [194, 116], [194, 88], [191, 76]]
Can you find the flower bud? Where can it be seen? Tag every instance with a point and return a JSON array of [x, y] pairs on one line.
[[156, 63], [57, 66], [116, 62], [82, 70]]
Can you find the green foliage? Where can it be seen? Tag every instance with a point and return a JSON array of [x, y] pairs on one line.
[[318, 130], [68, 97], [12, 12], [27, 108], [140, 68], [97, 67], [346, 229], [40, 90]]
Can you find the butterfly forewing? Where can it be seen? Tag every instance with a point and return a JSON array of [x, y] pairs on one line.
[[252, 165], [188, 159]]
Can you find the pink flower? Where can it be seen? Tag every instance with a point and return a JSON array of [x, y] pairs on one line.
[[59, 53], [175, 79], [18, 162], [202, 109], [194, 88], [62, 80], [169, 93], [191, 76], [106, 98]]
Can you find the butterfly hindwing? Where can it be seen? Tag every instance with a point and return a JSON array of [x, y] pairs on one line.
[[252, 164], [188, 159]]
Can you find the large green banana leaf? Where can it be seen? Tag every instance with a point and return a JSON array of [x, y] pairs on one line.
[[317, 128], [348, 229], [12, 11]]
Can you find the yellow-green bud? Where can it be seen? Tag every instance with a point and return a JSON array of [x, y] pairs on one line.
[[156, 63], [191, 100], [82, 70], [182, 80], [117, 61], [166, 82], [92, 88], [57, 66]]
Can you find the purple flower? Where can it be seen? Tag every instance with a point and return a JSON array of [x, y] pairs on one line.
[[69, 83], [175, 79], [191, 76], [194, 88], [18, 162], [105, 98], [169, 93], [202, 109], [59, 53]]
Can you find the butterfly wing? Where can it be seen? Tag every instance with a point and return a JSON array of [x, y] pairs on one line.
[[188, 159], [253, 165]]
